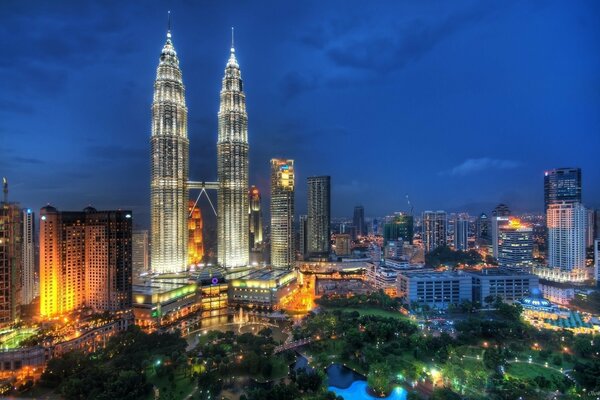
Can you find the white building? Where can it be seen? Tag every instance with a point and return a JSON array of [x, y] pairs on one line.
[[566, 235], [435, 289]]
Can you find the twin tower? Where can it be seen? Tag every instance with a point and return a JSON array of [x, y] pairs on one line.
[[169, 184]]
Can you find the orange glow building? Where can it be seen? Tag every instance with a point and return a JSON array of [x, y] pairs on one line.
[[195, 240], [85, 260]]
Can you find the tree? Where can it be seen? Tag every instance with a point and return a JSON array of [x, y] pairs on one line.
[[379, 379], [444, 394]]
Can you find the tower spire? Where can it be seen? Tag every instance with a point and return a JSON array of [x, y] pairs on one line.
[[5, 189], [232, 42], [169, 24]]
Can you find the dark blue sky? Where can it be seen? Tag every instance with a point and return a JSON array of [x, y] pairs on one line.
[[460, 104]]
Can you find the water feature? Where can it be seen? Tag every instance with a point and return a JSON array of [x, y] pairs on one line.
[[353, 386]]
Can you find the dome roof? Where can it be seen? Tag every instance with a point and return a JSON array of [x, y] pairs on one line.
[[49, 209], [90, 209]]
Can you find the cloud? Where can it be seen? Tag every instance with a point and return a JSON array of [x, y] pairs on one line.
[[475, 165]]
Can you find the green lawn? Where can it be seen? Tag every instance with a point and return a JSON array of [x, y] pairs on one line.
[[371, 311], [183, 385], [529, 371]]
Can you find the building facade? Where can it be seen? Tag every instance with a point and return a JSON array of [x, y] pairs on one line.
[[255, 218], [509, 285], [28, 256], [318, 222], [435, 225], [302, 236], [11, 260], [435, 289], [515, 245], [358, 220], [461, 234], [401, 227], [562, 185], [140, 256], [195, 234], [85, 260], [282, 213], [566, 235], [232, 170], [170, 163]]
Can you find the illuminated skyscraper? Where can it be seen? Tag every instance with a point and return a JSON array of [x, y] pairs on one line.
[[435, 225], [461, 234], [566, 235], [500, 218], [255, 217], [515, 245], [85, 260], [232, 170], [140, 257], [302, 236], [562, 185], [400, 228], [318, 223], [282, 213], [10, 259], [195, 240], [170, 162], [28, 257]]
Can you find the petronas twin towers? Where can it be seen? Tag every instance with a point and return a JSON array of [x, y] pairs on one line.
[[170, 166]]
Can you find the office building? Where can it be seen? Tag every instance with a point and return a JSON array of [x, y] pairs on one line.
[[509, 285], [562, 185], [401, 227], [28, 256], [590, 225], [318, 222], [482, 229], [500, 217], [255, 218], [461, 234], [85, 260], [435, 225], [597, 261], [169, 165], [140, 256], [303, 236], [232, 170], [515, 245], [435, 289], [360, 228], [566, 235], [282, 213]]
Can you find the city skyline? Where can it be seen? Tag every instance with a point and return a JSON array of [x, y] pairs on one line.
[[311, 116]]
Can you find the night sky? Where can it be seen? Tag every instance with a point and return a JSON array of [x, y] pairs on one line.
[[459, 104]]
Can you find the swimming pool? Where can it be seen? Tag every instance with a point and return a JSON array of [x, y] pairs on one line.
[[358, 391]]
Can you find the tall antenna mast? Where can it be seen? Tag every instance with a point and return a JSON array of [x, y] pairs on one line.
[[5, 189]]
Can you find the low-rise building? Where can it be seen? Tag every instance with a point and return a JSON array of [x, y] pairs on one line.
[[509, 285], [557, 292], [435, 289], [261, 288]]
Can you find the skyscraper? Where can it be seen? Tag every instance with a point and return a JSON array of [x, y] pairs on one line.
[[195, 235], [515, 245], [400, 228], [85, 260], [282, 213], [562, 185], [482, 228], [170, 162], [255, 217], [461, 234], [302, 236], [500, 217], [435, 225], [140, 257], [232, 170], [10, 259], [566, 235], [319, 216], [359, 221], [590, 227], [28, 256]]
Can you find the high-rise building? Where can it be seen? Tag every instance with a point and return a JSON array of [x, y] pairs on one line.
[[282, 213], [566, 235], [319, 216], [28, 257], [360, 228], [255, 217], [597, 261], [562, 185], [515, 245], [140, 256], [482, 228], [195, 235], [302, 235], [435, 225], [401, 227], [461, 234], [342, 244], [10, 259], [85, 260], [232, 170], [590, 225], [500, 217], [170, 162]]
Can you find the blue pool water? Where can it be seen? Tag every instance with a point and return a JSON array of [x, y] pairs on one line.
[[358, 391]]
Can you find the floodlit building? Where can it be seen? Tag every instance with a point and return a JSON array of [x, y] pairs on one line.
[[255, 217], [140, 256], [566, 235], [435, 289], [318, 222], [282, 213], [515, 245], [28, 256], [10, 259], [435, 225], [195, 235]]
